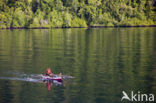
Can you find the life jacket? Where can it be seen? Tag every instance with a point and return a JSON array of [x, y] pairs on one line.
[[48, 71]]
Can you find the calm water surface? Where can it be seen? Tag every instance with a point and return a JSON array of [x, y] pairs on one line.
[[103, 61]]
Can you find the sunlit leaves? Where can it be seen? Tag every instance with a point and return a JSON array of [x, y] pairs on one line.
[[68, 13]]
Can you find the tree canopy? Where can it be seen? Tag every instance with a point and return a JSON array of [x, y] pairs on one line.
[[76, 13]]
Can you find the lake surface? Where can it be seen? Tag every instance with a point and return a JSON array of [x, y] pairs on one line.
[[103, 62]]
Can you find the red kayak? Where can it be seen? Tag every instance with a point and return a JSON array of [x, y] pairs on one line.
[[55, 78]]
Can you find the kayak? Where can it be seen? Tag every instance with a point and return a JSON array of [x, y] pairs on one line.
[[55, 78]]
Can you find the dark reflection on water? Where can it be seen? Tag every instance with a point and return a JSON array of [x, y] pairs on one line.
[[103, 61]]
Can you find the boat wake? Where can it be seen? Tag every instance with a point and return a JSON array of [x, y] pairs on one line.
[[25, 77], [30, 77], [21, 79]]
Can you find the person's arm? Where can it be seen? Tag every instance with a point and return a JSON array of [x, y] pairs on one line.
[[51, 75]]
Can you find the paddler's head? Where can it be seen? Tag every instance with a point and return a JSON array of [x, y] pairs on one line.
[[48, 71]]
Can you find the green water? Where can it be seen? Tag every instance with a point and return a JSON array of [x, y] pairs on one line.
[[103, 61]]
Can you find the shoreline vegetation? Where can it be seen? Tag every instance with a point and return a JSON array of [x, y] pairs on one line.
[[46, 14], [81, 27]]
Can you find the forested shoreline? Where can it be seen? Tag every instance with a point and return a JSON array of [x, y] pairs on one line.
[[76, 13]]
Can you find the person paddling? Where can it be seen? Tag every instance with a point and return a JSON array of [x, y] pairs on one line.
[[49, 73]]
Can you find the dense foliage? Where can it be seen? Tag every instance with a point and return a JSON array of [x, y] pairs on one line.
[[76, 13]]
